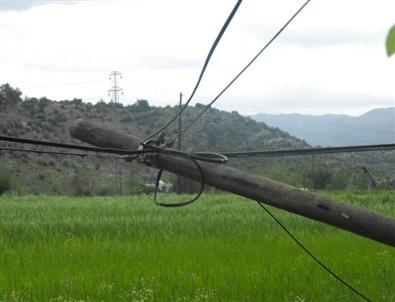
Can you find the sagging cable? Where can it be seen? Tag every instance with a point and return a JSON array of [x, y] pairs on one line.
[[184, 203]]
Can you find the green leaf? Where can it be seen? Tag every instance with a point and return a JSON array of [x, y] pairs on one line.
[[390, 43]]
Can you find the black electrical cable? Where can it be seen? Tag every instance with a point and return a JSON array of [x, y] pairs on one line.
[[56, 153], [319, 262], [69, 146], [245, 68], [210, 157], [215, 44], [306, 151], [184, 203]]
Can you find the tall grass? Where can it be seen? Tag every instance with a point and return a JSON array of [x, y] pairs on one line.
[[223, 248]]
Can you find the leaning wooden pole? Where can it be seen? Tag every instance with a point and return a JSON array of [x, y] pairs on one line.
[[345, 216]]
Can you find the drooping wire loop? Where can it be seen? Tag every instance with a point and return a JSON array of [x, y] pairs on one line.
[[183, 203]]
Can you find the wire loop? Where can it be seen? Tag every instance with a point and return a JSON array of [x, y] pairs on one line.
[[184, 203]]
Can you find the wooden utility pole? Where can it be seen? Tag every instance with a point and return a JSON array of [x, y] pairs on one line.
[[313, 166], [120, 181], [179, 178], [116, 177], [345, 216], [179, 125]]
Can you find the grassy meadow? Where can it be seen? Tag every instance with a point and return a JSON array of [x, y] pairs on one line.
[[222, 248]]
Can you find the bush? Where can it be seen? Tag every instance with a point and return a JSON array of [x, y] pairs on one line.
[[7, 182], [140, 106], [81, 186], [319, 179], [105, 191], [127, 119]]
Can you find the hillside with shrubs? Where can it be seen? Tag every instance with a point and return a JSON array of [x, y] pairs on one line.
[[45, 119]]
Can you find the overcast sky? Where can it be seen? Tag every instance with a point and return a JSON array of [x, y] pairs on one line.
[[330, 60]]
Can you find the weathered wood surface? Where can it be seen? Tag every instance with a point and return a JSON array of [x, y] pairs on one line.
[[345, 216]]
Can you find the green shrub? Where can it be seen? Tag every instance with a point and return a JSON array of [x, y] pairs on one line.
[[319, 179], [7, 182], [105, 191], [81, 186]]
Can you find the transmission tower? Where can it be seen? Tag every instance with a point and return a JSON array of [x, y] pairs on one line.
[[115, 90]]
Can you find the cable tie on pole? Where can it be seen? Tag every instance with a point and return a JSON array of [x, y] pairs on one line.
[[158, 147]]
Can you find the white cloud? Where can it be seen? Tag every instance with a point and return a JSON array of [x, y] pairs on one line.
[[330, 59]]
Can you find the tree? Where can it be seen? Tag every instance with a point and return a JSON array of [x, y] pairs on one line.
[[141, 105], [77, 102], [9, 95], [42, 103]]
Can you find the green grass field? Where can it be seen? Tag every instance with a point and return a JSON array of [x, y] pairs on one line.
[[223, 248]]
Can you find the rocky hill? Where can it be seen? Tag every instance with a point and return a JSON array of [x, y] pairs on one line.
[[43, 119]]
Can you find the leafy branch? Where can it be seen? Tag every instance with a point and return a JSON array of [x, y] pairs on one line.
[[390, 43]]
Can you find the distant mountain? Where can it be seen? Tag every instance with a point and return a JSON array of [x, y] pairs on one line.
[[374, 127]]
